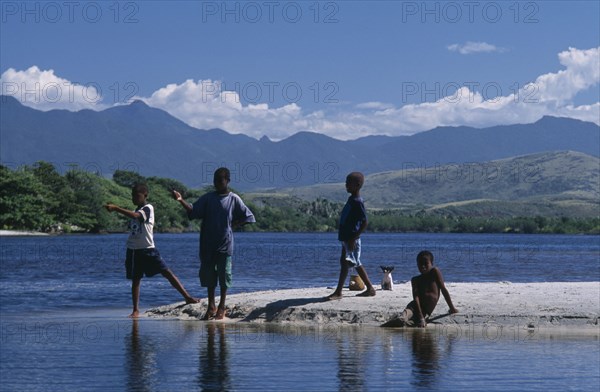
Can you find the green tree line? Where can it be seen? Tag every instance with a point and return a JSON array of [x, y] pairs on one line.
[[39, 198]]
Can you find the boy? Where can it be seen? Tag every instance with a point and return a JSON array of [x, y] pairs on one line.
[[220, 211], [353, 221], [426, 293], [142, 257]]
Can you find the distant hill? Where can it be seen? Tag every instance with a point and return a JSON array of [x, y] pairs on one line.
[[554, 183], [154, 143]]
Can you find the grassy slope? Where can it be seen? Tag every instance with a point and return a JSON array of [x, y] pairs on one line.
[[546, 184]]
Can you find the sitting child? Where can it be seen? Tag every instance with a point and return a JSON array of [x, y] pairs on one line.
[[426, 293]]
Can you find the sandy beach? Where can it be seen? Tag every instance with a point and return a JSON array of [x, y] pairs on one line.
[[13, 233], [556, 305]]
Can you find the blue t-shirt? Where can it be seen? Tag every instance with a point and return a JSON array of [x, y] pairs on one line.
[[217, 213], [353, 215]]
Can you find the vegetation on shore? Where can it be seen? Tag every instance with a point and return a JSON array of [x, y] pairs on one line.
[[39, 198]]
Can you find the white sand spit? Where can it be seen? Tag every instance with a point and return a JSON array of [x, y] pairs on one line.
[[571, 305], [14, 233]]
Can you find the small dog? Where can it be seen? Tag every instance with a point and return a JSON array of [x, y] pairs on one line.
[[387, 283]]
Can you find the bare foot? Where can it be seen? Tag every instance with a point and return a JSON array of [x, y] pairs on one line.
[[134, 314], [210, 313], [220, 313], [367, 293], [192, 300], [334, 297]]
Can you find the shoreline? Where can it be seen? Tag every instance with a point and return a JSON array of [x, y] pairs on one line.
[[15, 233], [569, 306], [25, 233]]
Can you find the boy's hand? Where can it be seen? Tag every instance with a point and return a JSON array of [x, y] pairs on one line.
[[176, 195], [422, 323], [453, 310], [110, 207]]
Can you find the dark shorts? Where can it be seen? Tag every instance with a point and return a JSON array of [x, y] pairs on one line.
[[140, 262], [408, 317], [216, 268]]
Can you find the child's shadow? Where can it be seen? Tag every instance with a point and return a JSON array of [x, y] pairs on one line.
[[273, 309]]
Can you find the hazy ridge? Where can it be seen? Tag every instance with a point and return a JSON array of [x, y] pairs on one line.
[[152, 142]]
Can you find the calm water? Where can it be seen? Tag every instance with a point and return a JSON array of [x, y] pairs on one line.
[[62, 302]]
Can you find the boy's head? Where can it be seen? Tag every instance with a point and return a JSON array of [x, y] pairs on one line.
[[354, 181], [221, 179], [424, 261], [139, 193]]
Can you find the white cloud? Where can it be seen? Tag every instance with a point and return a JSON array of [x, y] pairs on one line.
[[549, 94], [204, 104], [207, 104], [44, 90], [474, 47], [374, 105], [582, 71]]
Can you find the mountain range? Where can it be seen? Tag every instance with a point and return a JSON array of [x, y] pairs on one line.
[[152, 142]]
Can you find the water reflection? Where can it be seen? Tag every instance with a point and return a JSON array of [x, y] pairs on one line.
[[162, 355], [214, 362], [415, 355], [351, 351], [427, 357], [140, 361]]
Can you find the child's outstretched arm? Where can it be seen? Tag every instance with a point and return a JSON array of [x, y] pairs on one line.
[[177, 196], [444, 290], [130, 214]]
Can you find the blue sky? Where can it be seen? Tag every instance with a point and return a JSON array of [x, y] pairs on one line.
[[343, 68]]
